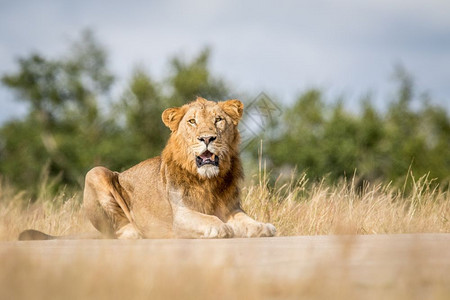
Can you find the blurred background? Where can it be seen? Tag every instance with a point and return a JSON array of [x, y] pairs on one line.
[[332, 89]]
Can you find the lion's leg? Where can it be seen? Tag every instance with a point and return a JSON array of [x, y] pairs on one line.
[[102, 209], [244, 226], [192, 224]]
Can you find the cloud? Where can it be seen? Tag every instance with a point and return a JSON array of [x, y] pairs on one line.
[[279, 47]]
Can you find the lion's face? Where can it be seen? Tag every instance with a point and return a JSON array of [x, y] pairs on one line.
[[206, 135]]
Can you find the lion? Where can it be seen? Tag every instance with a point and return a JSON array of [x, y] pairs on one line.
[[192, 190]]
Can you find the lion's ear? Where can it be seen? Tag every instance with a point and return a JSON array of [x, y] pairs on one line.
[[172, 117], [234, 108]]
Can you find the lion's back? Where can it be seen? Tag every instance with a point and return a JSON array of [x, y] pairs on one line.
[[148, 168], [143, 178]]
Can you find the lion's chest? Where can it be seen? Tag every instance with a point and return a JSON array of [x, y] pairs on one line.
[[200, 200]]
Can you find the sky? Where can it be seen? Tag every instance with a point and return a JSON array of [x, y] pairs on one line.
[[348, 48]]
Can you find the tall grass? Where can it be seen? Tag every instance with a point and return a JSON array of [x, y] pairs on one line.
[[296, 207], [60, 214], [302, 208]]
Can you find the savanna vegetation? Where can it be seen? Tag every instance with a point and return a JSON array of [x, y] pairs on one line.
[[313, 166]]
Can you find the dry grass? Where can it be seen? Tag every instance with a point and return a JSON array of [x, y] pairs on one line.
[[59, 214], [299, 208], [295, 208]]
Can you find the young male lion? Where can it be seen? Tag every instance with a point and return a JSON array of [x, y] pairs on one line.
[[191, 190]]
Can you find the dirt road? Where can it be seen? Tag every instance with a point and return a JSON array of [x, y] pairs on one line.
[[367, 264]]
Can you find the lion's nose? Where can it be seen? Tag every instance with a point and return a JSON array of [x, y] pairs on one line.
[[207, 139]]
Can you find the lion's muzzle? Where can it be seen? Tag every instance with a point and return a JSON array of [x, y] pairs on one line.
[[207, 158]]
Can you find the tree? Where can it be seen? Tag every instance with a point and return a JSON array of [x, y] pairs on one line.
[[141, 106], [187, 80], [326, 140], [64, 120]]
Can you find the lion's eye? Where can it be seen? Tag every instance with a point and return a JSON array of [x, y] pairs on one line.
[[192, 121], [218, 119]]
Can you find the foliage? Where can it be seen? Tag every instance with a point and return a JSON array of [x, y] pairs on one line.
[[330, 140], [64, 128], [74, 123]]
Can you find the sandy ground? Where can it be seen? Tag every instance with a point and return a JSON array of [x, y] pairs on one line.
[[363, 256], [369, 261]]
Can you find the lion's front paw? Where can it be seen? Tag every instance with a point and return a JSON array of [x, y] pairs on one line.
[[128, 232], [218, 232], [260, 230], [269, 230]]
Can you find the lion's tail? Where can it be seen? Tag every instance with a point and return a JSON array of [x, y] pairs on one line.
[[31, 235]]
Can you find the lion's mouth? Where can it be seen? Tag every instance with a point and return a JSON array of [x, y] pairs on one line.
[[207, 158]]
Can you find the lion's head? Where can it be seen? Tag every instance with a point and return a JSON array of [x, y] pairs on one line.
[[204, 138]]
